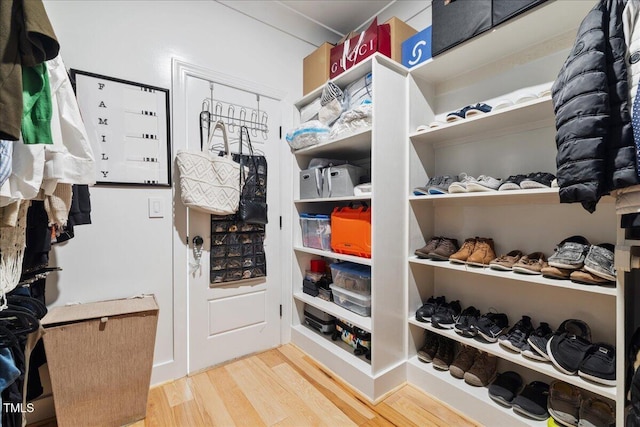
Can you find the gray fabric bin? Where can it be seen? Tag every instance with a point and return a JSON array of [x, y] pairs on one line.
[[311, 183], [340, 180]]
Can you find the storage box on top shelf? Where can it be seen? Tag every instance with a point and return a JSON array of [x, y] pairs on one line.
[[455, 21], [417, 49], [504, 10], [100, 357], [384, 38], [315, 68]]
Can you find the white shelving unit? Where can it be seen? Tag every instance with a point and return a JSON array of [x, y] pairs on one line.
[[380, 150], [526, 51]]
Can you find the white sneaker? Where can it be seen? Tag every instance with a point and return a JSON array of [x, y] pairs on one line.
[[461, 185], [484, 183]]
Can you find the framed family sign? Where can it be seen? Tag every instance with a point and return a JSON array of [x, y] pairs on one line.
[[128, 127]]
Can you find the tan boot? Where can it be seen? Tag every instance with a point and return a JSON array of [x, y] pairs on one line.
[[483, 253], [465, 251]]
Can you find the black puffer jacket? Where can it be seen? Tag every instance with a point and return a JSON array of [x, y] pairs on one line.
[[596, 151]]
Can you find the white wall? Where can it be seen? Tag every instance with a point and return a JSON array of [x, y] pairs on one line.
[[124, 252]]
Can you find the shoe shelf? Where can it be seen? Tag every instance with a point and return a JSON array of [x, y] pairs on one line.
[[333, 255], [537, 196], [334, 199], [335, 310], [351, 147], [525, 116], [542, 24], [536, 279], [323, 345], [543, 367], [476, 400]]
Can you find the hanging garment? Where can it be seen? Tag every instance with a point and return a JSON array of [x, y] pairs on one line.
[[26, 38], [36, 97], [12, 244], [6, 157], [58, 206]]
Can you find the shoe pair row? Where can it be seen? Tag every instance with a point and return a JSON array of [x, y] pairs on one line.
[[529, 401], [476, 251], [468, 111], [468, 322], [595, 263], [463, 183], [475, 367]]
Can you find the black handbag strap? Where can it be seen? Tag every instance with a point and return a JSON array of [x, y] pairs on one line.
[[245, 131]]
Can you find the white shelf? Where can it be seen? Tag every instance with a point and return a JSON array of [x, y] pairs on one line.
[[542, 367], [547, 22], [339, 348], [329, 254], [538, 280], [336, 311], [464, 392], [334, 199], [538, 112], [352, 147], [353, 74], [532, 196]]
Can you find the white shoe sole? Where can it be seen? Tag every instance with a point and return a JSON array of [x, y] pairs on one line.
[[565, 266], [611, 383], [453, 188], [528, 414], [500, 400], [540, 353], [600, 274], [532, 355], [530, 185], [473, 187], [555, 363], [500, 267], [526, 271], [562, 418], [507, 344]]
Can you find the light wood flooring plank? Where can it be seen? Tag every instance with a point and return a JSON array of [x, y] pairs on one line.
[[378, 422], [436, 407], [416, 414], [212, 408], [272, 358], [239, 407], [159, 412], [188, 414], [358, 411], [177, 392]]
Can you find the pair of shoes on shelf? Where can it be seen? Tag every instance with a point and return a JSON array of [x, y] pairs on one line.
[[576, 259], [488, 326], [530, 401], [530, 181], [568, 407], [438, 350], [467, 184], [571, 352], [515, 260], [468, 111], [440, 313], [477, 251], [477, 368], [438, 248]]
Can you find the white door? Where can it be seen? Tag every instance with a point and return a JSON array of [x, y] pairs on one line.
[[231, 319]]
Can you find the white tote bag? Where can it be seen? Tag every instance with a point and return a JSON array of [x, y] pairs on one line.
[[209, 183]]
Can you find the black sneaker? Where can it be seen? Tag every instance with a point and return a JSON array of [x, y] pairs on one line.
[[532, 402], [567, 352], [489, 326], [424, 313], [516, 338], [446, 315], [600, 365], [466, 321], [505, 388], [430, 347], [445, 354], [536, 347], [512, 183], [537, 180]]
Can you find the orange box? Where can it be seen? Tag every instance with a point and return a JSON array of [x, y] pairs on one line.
[[351, 231]]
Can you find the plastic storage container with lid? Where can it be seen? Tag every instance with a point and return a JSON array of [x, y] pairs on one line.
[[359, 304], [316, 231], [352, 277]]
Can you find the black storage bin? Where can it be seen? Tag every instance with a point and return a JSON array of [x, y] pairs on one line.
[[454, 21], [507, 9]]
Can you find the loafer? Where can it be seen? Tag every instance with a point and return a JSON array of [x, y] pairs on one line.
[[584, 277], [599, 261], [531, 264], [570, 254], [556, 273], [506, 262]]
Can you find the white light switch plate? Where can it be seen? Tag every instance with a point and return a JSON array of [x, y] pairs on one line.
[[156, 207]]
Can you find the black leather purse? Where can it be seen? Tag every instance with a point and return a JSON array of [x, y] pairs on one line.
[[253, 195]]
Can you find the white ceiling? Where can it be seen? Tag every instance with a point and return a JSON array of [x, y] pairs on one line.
[[340, 16]]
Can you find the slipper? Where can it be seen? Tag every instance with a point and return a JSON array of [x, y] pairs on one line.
[[526, 97], [422, 128], [436, 123], [479, 108], [503, 103], [505, 388], [454, 116]]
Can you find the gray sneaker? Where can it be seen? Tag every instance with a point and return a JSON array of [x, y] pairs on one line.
[[441, 186], [570, 253], [599, 261], [485, 183], [460, 186]]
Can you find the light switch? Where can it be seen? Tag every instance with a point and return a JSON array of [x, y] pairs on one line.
[[156, 207]]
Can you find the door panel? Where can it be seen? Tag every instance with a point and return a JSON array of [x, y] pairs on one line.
[[229, 320]]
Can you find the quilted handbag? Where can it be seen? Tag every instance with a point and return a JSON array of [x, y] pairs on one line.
[[209, 183]]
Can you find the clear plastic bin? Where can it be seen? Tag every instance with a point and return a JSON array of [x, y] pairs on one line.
[[316, 231], [352, 277], [359, 304]]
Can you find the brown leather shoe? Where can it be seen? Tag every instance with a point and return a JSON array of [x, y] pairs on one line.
[[431, 245], [445, 249], [556, 273], [463, 361], [483, 370], [483, 253], [505, 262], [584, 277], [465, 251], [531, 264]]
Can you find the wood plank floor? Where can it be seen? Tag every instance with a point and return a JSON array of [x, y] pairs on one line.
[[284, 387]]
